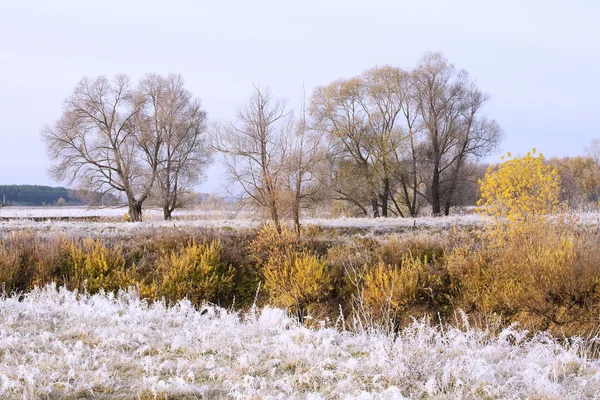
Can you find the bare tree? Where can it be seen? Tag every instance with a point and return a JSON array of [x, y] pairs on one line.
[[338, 111], [94, 143], [305, 169], [255, 148], [176, 128], [449, 107], [361, 116], [115, 138], [409, 180], [382, 101]]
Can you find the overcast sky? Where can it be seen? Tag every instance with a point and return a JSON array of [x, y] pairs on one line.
[[539, 60]]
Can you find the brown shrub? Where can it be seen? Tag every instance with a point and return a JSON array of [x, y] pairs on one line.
[[542, 276], [27, 259]]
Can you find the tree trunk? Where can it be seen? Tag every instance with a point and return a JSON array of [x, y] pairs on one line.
[[135, 211], [296, 212], [384, 197], [398, 209], [435, 192], [447, 209], [275, 215], [167, 212], [375, 206]]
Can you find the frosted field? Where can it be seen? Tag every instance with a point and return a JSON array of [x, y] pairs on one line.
[[56, 344], [107, 221]]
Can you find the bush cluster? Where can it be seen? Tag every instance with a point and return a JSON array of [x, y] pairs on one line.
[[545, 276]]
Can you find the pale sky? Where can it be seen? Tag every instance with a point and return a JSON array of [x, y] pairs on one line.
[[539, 60]]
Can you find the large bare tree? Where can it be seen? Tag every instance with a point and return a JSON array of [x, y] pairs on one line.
[[113, 137], [95, 143], [407, 137], [255, 148], [361, 118], [454, 131], [177, 129], [382, 101], [338, 111]]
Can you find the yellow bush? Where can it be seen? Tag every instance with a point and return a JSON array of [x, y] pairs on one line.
[[520, 189], [395, 287], [297, 280], [533, 274], [194, 271], [98, 266], [270, 244]]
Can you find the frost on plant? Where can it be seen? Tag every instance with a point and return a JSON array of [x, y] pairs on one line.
[[55, 343]]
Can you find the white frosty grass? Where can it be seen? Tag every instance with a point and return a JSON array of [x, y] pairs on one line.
[[57, 344], [151, 214], [110, 220]]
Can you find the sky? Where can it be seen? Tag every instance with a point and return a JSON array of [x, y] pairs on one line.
[[539, 60]]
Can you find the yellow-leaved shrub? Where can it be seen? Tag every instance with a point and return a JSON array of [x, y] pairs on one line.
[[525, 267], [297, 280], [92, 266], [518, 190], [293, 276], [195, 271], [394, 288], [270, 244]]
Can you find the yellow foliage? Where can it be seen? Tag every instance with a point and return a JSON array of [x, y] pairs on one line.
[[293, 277], [194, 271], [520, 189], [395, 286], [270, 244], [520, 275], [98, 266], [297, 279]]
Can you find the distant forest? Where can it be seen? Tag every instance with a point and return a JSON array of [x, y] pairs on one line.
[[36, 195]]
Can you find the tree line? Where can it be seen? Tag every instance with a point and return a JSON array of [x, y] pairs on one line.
[[38, 195], [389, 141]]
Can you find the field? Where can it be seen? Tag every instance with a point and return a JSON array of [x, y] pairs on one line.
[[104, 220], [56, 342]]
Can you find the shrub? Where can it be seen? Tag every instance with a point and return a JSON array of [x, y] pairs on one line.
[[520, 189], [392, 289], [194, 271], [271, 244], [425, 247], [297, 280], [539, 278], [26, 259], [92, 266], [293, 276]]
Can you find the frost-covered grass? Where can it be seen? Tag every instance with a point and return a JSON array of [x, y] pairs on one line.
[[56, 344], [109, 221]]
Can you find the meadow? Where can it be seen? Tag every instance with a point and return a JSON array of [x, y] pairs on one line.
[[217, 304]]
